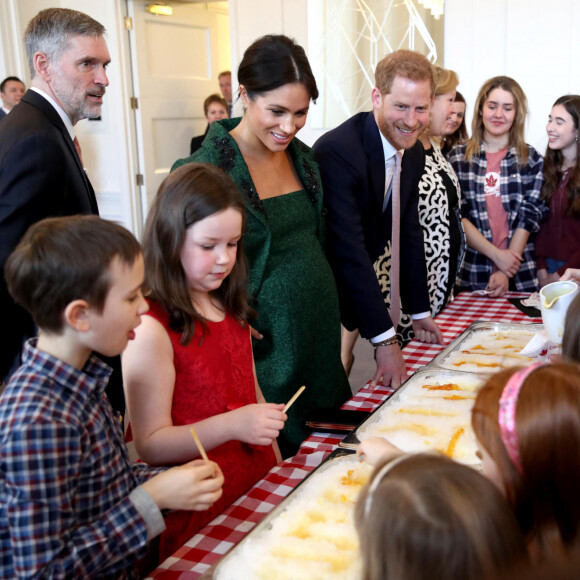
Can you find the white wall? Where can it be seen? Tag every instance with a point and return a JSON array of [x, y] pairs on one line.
[[537, 42], [250, 19]]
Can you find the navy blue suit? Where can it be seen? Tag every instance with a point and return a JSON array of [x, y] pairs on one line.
[[352, 166]]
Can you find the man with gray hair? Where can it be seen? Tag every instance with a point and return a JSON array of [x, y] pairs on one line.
[[41, 169]]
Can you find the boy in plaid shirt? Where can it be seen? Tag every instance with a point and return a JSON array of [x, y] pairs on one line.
[[71, 503]]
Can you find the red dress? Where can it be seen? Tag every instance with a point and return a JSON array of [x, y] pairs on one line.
[[210, 379]]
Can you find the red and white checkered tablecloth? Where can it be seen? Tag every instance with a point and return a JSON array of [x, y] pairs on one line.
[[211, 543]]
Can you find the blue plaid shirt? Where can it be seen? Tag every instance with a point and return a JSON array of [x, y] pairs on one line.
[[520, 188], [65, 476]]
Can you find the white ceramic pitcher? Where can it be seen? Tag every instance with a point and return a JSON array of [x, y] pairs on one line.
[[554, 301]]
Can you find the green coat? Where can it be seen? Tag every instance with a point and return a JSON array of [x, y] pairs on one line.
[[290, 283], [221, 150]]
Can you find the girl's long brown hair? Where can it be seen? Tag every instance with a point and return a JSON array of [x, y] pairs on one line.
[[554, 159], [516, 133], [188, 195], [432, 518], [544, 496]]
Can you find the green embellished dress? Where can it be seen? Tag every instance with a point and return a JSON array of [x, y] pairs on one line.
[[290, 284]]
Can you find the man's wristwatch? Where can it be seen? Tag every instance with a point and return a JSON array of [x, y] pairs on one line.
[[387, 342]]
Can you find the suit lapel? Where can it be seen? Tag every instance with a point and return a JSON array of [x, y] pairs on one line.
[[38, 101], [376, 158]]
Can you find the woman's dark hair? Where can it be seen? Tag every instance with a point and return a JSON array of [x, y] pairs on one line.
[[273, 61], [64, 259], [186, 196], [553, 161]]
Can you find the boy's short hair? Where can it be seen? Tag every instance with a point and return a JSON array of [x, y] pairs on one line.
[[64, 259]]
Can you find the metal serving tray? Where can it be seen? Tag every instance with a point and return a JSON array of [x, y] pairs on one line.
[[440, 360], [424, 376], [223, 568]]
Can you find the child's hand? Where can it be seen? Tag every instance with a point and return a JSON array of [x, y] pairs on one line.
[[498, 284], [376, 449], [258, 424], [196, 485], [571, 274], [508, 262]]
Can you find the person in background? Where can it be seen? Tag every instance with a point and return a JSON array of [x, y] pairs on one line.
[[41, 168], [215, 108], [71, 503], [439, 213], [501, 179], [360, 161], [290, 282], [457, 127], [225, 80], [12, 89], [424, 516], [191, 361], [558, 241]]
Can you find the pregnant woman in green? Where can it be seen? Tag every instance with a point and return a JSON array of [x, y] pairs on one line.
[[290, 282]]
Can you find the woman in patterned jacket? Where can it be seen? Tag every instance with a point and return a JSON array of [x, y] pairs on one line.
[[501, 179]]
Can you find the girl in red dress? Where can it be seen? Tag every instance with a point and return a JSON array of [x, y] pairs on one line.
[[191, 361]]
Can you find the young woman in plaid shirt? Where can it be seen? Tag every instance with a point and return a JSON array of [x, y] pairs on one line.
[[501, 179]]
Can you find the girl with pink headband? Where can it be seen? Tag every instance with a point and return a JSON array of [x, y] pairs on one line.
[[527, 424], [424, 516]]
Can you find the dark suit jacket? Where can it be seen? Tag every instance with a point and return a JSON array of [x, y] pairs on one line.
[[352, 166], [40, 176], [2, 114], [197, 141]]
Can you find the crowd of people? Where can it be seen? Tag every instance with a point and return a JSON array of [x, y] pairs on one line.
[[255, 249]]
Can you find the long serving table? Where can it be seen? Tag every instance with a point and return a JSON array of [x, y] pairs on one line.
[[203, 550]]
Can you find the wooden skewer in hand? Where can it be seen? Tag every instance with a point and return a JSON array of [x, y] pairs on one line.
[[198, 443], [291, 401]]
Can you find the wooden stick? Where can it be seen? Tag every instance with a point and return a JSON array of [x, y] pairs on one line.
[[198, 443], [291, 401]]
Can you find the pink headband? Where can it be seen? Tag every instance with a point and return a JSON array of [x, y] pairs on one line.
[[507, 412]]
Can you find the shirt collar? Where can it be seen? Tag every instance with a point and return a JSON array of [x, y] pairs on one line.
[[65, 119], [388, 150], [5, 110], [93, 378]]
